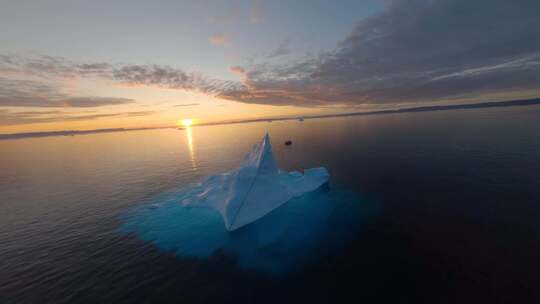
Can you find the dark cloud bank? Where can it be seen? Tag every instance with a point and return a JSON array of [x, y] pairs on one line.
[[415, 51]]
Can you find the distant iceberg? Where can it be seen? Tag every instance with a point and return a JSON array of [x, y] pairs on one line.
[[257, 187]]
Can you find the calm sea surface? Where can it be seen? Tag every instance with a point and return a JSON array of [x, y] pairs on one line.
[[456, 194]]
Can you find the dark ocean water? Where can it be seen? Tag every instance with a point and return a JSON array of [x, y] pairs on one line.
[[448, 210]]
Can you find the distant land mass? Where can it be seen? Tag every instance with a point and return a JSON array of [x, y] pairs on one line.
[[494, 104], [64, 133]]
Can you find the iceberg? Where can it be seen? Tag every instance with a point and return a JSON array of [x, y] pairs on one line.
[[301, 231], [265, 219], [256, 188]]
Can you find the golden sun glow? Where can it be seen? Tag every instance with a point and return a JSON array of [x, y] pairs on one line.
[[186, 122]]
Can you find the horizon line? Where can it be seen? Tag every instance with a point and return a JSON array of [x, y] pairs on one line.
[[489, 104]]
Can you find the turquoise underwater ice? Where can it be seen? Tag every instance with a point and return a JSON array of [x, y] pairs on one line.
[[297, 232], [268, 219]]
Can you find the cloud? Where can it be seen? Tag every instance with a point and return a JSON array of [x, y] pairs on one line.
[[237, 69], [92, 101], [167, 77], [282, 50], [8, 118], [154, 75], [220, 39], [28, 93], [414, 51], [45, 66], [186, 105], [256, 16], [49, 68]]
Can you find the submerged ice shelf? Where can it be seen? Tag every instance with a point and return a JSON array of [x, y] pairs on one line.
[[292, 227], [257, 187]]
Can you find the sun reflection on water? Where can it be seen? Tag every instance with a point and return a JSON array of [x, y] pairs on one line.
[[189, 135]]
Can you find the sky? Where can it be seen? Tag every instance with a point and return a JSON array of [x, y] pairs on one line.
[[79, 65]]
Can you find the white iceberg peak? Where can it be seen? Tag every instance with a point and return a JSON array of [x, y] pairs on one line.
[[254, 189]]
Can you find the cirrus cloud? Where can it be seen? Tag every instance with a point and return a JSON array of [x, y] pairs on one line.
[[29, 93], [15, 91], [220, 39], [9, 118]]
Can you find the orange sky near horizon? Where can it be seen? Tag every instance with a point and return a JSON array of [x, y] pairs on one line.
[[169, 106], [165, 107]]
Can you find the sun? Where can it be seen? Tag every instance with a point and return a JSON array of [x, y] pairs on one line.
[[187, 122]]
